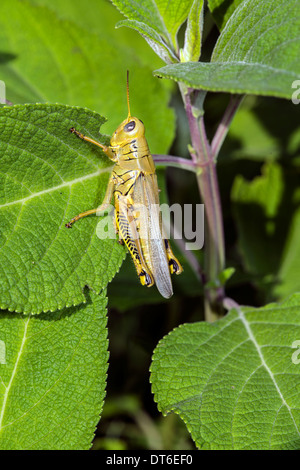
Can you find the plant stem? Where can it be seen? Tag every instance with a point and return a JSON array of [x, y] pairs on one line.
[[203, 163], [221, 132], [189, 165], [191, 258], [176, 162], [209, 190], [230, 303]]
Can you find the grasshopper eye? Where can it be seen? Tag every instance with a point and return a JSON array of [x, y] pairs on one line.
[[129, 126]]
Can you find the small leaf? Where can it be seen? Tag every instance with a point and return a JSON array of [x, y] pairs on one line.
[[199, 371], [154, 40], [225, 275], [193, 33], [249, 56], [52, 385], [163, 16]]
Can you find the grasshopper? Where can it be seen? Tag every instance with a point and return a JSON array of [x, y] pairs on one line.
[[133, 184]]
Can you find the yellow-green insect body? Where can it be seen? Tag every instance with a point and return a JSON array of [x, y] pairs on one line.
[[133, 184]]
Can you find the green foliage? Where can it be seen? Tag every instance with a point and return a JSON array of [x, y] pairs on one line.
[[67, 60], [256, 234], [70, 70], [163, 17], [289, 269], [269, 236], [232, 382], [47, 177], [193, 33], [159, 22], [199, 371], [50, 176], [53, 381], [249, 59], [222, 10]]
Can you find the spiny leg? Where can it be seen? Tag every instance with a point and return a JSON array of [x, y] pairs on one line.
[[107, 150], [84, 137], [174, 265], [80, 216], [105, 204], [128, 232]]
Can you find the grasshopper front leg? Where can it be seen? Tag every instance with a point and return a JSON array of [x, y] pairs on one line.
[[110, 188], [107, 150]]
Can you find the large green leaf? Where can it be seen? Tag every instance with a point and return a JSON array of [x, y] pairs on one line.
[[49, 176], [52, 382], [256, 53], [72, 54], [234, 382]]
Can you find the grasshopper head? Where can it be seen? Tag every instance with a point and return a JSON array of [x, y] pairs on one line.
[[131, 128]]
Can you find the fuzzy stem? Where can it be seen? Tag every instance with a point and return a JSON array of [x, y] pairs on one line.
[[176, 162], [189, 165], [203, 163], [191, 258], [209, 190], [221, 132]]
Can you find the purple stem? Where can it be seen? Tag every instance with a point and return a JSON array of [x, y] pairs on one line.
[[230, 303], [221, 132], [191, 258], [170, 160], [209, 189], [178, 162], [203, 155]]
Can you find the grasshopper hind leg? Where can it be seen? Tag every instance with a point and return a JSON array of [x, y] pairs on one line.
[[104, 206], [128, 234], [145, 277], [142, 270]]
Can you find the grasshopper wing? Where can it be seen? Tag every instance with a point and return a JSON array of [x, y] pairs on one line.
[[146, 204]]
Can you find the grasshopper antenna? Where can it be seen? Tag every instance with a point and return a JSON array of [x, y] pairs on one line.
[[127, 84]]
